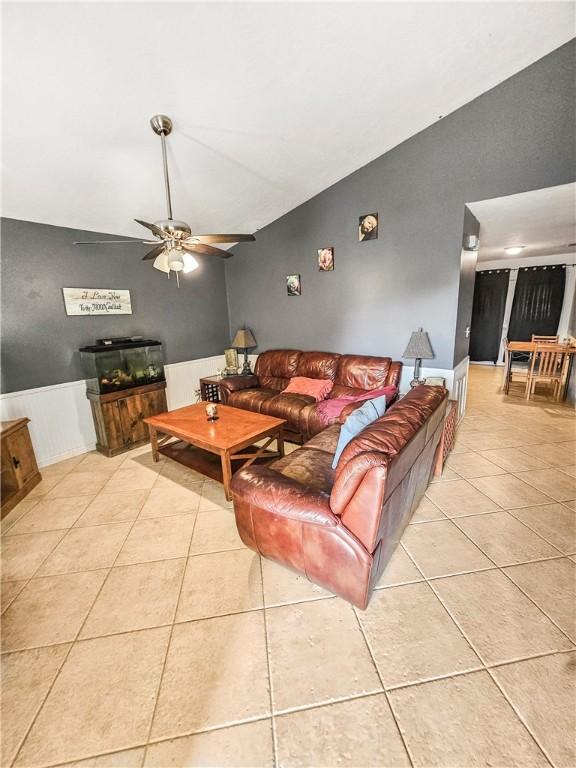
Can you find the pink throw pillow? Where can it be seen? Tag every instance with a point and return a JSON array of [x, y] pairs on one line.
[[319, 389]]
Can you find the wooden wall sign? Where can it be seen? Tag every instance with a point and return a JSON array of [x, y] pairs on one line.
[[97, 301]]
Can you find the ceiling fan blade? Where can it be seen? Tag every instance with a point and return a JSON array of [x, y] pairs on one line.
[[152, 227], [224, 238], [154, 252], [114, 242], [205, 249]]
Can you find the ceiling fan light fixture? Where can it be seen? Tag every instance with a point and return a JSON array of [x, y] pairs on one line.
[[161, 262]]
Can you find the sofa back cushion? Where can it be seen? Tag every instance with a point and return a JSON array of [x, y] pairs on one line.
[[318, 365], [276, 367], [357, 373], [392, 442]]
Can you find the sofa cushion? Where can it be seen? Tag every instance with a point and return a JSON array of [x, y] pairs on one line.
[[276, 367], [286, 407], [355, 423], [309, 467], [319, 389], [317, 365], [251, 399], [327, 440], [360, 372]]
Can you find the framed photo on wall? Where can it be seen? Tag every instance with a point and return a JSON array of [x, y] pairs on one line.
[[368, 227], [231, 358], [326, 259], [293, 285]]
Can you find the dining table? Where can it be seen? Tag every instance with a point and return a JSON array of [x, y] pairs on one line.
[[529, 347]]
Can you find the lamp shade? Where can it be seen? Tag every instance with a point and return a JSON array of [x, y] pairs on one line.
[[244, 339], [419, 346]]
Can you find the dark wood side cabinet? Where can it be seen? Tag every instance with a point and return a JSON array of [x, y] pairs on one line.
[[19, 469], [119, 416], [210, 389]]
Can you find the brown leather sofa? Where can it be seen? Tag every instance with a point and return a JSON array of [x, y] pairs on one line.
[[340, 527], [262, 392]]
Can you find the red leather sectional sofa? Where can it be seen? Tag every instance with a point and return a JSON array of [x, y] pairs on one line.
[[339, 527]]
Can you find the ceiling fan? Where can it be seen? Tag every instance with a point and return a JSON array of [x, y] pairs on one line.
[[175, 242]]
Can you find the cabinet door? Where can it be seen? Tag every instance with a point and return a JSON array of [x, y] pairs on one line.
[[154, 402], [22, 456], [132, 416]]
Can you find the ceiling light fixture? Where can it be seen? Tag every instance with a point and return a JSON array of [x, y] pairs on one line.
[[514, 250]]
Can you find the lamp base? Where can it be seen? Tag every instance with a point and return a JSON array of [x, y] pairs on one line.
[[416, 383], [246, 367]]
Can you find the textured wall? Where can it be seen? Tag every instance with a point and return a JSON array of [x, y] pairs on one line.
[[518, 136], [40, 342]]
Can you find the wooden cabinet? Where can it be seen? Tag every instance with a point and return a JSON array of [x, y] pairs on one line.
[[119, 416], [19, 471]]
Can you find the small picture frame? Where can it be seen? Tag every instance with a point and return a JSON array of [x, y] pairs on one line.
[[326, 259], [368, 227], [293, 285], [231, 358]]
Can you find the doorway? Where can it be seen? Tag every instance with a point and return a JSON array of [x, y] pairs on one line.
[[525, 280]]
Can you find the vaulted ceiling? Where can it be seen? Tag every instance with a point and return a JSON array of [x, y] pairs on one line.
[[271, 102]]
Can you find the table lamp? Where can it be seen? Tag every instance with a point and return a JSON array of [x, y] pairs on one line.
[[245, 340], [419, 349]]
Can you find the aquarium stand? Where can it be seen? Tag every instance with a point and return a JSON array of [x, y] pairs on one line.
[[119, 416]]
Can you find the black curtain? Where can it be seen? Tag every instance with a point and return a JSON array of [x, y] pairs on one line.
[[490, 289], [537, 302]]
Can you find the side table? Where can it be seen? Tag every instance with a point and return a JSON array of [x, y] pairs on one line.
[[210, 389]]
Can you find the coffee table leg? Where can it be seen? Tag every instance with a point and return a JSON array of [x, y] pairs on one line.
[[154, 443], [280, 440], [226, 473]]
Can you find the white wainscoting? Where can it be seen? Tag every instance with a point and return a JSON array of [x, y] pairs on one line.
[[61, 423]]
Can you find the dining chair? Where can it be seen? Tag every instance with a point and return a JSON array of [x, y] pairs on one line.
[[546, 367], [545, 339]]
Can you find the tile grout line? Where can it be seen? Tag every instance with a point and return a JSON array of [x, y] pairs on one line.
[[502, 569], [72, 644], [269, 667], [487, 667], [384, 691], [168, 645]]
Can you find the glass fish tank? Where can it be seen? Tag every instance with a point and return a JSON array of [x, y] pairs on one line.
[[112, 365]]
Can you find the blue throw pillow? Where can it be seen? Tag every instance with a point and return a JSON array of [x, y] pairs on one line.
[[355, 423]]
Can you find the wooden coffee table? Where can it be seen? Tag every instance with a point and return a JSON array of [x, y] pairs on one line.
[[214, 448]]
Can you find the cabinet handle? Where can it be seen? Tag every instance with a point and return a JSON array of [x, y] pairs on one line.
[[16, 462]]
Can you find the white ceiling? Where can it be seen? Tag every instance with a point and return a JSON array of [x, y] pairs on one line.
[[271, 102], [543, 221]]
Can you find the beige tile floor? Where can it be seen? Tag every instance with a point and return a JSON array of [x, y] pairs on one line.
[[137, 630]]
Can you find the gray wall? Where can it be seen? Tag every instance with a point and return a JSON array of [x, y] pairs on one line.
[[40, 342], [517, 137]]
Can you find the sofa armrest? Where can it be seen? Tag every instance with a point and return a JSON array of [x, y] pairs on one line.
[[266, 489], [347, 410], [231, 384]]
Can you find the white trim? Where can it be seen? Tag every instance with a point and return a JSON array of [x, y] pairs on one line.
[[61, 423]]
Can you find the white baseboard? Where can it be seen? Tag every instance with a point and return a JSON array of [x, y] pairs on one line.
[[61, 423]]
